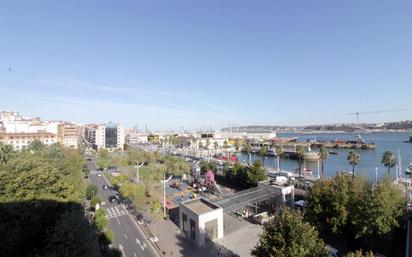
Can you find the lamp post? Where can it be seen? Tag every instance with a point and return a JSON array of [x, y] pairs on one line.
[[137, 171]]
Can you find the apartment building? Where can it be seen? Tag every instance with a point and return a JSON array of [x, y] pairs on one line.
[[68, 134], [110, 136]]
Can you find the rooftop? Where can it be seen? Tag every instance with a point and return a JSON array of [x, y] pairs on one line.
[[200, 205]]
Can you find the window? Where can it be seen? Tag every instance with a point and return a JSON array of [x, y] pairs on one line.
[[184, 220], [193, 230]]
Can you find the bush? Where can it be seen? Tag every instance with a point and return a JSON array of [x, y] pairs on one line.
[[91, 191], [94, 201], [101, 222]]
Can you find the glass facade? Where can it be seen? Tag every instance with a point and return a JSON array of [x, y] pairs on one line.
[[111, 135]]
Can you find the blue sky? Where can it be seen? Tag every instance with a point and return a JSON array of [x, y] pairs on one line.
[[201, 64]]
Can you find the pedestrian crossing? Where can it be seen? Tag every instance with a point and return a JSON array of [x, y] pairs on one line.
[[115, 211], [94, 172]]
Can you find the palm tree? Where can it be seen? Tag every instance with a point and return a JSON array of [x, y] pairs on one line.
[[6, 152], [388, 160], [300, 151], [248, 149], [225, 144], [323, 155], [207, 146], [263, 151], [353, 158], [215, 146], [279, 153]]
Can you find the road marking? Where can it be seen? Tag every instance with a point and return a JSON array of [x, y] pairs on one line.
[[135, 255], [117, 220], [121, 249], [125, 236], [109, 212]]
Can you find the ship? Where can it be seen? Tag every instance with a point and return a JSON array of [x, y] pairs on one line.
[[358, 143]]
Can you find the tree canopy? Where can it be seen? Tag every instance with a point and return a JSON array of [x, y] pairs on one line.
[[41, 195], [287, 235]]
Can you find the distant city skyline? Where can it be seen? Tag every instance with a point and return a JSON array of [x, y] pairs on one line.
[[170, 65]]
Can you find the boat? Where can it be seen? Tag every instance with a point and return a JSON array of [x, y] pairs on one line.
[[409, 169], [333, 152], [305, 171], [310, 156]]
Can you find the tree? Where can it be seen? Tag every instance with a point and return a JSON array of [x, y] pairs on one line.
[[263, 151], [36, 146], [351, 209], [207, 144], [256, 173], [280, 154], [91, 191], [94, 201], [359, 253], [353, 159], [225, 144], [300, 151], [323, 155], [215, 146], [287, 235], [6, 152], [388, 160], [103, 158]]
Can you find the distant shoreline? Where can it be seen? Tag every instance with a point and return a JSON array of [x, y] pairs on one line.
[[345, 132]]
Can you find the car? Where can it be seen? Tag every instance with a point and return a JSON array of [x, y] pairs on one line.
[[105, 187], [112, 198], [99, 174]]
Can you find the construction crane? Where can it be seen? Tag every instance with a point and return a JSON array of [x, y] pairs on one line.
[[375, 112]]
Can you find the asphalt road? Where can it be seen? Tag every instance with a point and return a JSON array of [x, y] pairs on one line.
[[128, 236]]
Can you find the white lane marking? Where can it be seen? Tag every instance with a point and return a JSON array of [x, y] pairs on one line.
[[109, 212], [135, 255], [121, 249], [117, 220], [117, 210], [125, 236]]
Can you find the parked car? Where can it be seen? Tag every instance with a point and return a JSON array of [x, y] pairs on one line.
[[112, 198], [105, 187]]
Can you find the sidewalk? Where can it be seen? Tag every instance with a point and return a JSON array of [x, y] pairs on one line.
[[173, 243]]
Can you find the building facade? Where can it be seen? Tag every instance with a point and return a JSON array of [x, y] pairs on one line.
[[110, 136], [21, 140], [201, 220], [68, 134]]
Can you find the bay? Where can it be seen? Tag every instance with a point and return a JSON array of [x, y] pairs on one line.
[[370, 159]]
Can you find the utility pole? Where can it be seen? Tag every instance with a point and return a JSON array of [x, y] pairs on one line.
[[164, 194]]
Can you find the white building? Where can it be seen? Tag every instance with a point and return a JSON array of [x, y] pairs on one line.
[[201, 220], [21, 140], [110, 136]]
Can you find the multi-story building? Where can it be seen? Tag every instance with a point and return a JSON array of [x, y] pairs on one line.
[[90, 134], [110, 136], [21, 140], [68, 134]]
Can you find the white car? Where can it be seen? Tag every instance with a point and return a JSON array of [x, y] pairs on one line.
[[99, 174]]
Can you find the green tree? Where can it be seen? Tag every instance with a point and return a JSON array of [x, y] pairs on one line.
[[351, 209], [256, 173], [388, 160], [263, 151], [353, 159], [287, 235], [360, 253], [36, 146], [323, 155], [103, 158], [94, 201], [91, 191], [280, 154], [225, 144], [215, 146], [6, 152], [300, 151], [101, 222]]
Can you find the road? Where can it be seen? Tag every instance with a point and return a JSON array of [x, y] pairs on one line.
[[129, 238]]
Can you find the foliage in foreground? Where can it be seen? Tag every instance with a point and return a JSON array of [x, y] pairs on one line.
[[41, 191], [356, 210], [287, 235]]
